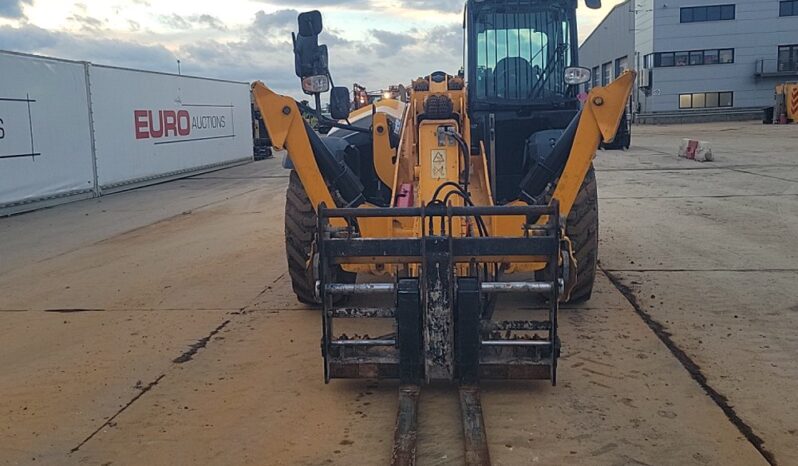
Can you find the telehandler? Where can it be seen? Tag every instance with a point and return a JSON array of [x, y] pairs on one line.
[[481, 177]]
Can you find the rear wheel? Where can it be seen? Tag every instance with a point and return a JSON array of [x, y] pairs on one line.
[[300, 235], [582, 229]]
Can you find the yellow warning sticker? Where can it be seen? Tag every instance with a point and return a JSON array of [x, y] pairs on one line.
[[438, 163]]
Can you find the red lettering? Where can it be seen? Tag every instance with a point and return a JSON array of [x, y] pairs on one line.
[[140, 124], [166, 123], [169, 123], [183, 123], [153, 132]]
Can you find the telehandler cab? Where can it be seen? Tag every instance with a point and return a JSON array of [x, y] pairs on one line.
[[478, 178]]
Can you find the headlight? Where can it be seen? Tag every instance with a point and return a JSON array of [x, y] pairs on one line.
[[576, 75], [316, 84]]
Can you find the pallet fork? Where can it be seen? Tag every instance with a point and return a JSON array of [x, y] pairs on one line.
[[443, 322]]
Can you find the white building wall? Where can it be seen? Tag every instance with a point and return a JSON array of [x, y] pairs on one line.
[[754, 34]]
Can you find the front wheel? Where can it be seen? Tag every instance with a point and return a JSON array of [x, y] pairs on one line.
[[582, 229], [300, 236]]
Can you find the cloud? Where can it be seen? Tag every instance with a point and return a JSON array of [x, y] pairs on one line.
[[28, 38], [176, 21], [274, 23], [391, 42], [448, 6], [346, 4], [13, 8], [87, 23], [258, 50], [212, 22]]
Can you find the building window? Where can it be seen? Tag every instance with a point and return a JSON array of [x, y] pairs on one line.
[[606, 73], [696, 14], [788, 8], [788, 58], [596, 76], [726, 55], [693, 58], [621, 65], [706, 100]]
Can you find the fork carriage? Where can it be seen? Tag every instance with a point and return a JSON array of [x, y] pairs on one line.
[[450, 334]]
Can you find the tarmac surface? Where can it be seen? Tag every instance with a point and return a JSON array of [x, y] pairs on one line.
[[157, 326]]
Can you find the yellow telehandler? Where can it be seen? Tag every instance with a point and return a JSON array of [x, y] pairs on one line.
[[481, 177]]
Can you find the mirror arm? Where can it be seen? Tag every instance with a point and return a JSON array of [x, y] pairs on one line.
[[330, 122]]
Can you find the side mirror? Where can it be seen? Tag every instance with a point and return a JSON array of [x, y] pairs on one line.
[[593, 4], [339, 103], [310, 23], [310, 58]]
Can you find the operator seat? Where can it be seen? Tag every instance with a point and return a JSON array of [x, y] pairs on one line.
[[513, 77]]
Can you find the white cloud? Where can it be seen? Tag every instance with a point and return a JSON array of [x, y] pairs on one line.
[[373, 42]]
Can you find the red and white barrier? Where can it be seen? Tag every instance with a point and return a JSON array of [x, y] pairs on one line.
[[694, 149]]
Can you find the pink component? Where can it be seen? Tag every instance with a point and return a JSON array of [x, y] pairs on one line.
[[692, 146], [405, 196]]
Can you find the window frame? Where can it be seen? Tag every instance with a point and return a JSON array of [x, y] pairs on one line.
[[697, 53], [672, 59], [684, 96], [606, 72], [793, 6], [720, 55], [705, 98], [618, 70], [792, 57], [707, 13]]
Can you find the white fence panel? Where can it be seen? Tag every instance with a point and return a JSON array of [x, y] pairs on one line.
[[151, 125], [45, 142]]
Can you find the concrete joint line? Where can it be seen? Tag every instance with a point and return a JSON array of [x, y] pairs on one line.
[[693, 369], [185, 357]]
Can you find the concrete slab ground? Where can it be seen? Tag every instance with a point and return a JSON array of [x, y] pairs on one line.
[[157, 326], [707, 251]]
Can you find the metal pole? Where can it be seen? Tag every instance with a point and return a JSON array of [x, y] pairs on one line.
[[92, 136]]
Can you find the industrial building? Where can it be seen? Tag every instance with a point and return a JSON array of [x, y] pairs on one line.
[[697, 60]]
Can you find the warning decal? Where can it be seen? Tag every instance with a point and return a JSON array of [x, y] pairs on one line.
[[794, 102], [438, 163]]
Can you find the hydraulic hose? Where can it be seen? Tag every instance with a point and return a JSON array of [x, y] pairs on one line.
[[336, 172], [549, 168]]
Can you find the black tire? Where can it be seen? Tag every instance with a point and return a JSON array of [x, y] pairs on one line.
[[582, 228], [300, 233]]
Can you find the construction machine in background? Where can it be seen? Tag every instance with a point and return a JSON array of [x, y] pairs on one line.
[[480, 185], [785, 105], [261, 144], [363, 97]]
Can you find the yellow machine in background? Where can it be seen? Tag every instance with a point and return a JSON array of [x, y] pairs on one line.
[[477, 177], [786, 103]]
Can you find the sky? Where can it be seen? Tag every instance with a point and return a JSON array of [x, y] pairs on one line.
[[372, 42]]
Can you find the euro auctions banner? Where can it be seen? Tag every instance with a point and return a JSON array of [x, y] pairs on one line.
[[150, 125], [45, 145]]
